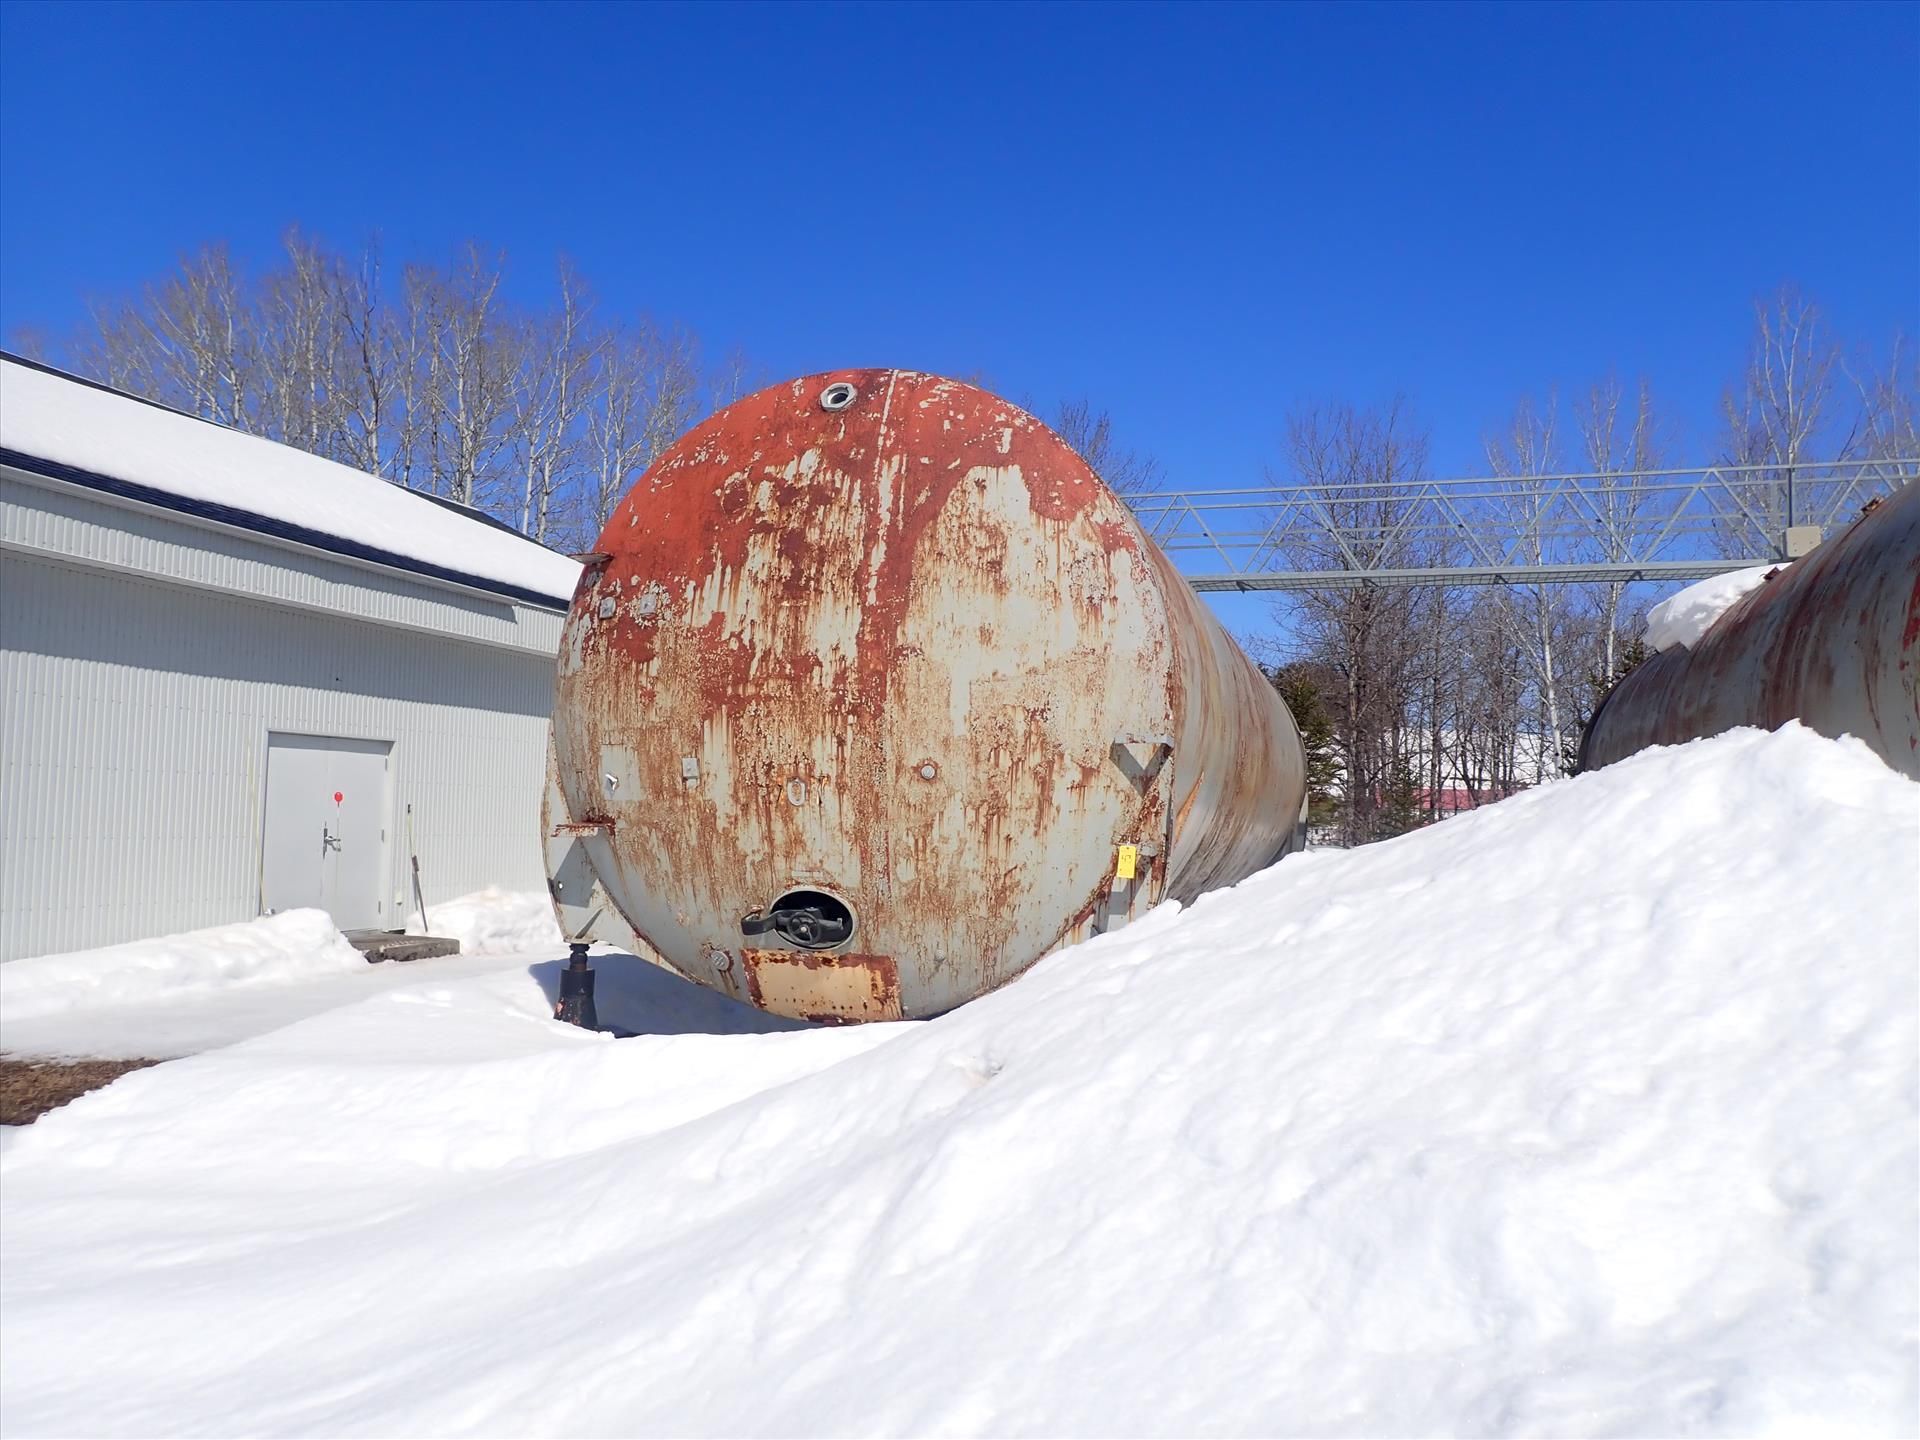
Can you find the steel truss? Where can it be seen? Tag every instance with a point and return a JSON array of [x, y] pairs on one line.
[[1619, 526]]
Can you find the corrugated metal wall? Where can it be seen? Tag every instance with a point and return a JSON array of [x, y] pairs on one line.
[[134, 715]]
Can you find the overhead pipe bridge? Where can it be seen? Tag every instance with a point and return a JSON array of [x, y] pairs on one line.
[[1589, 527]]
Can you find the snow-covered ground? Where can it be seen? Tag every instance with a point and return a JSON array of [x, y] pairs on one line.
[[179, 995], [496, 922], [278, 950], [182, 994], [1589, 1113]]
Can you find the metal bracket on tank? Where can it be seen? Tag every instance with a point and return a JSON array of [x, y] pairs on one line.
[[583, 827], [1158, 747]]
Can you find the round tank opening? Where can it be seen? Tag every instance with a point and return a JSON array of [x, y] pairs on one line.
[[838, 396], [809, 919]]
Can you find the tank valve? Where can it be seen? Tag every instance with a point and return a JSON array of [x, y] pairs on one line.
[[576, 991], [808, 919]]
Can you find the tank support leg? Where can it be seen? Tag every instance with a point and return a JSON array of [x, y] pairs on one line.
[[576, 991]]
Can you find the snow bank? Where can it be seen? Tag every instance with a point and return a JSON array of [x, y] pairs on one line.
[[634, 995], [1590, 1112], [278, 949], [1682, 619], [496, 922], [62, 420]]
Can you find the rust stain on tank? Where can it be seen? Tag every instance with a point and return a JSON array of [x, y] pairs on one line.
[[825, 988], [882, 648]]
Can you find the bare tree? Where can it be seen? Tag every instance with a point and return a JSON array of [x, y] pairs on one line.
[[1489, 692], [435, 383], [187, 341], [32, 343], [1890, 407], [559, 369], [650, 394], [114, 349], [416, 374], [468, 390], [1619, 496], [1090, 433], [1359, 470], [371, 381], [1533, 505], [1788, 412], [729, 381], [297, 350]]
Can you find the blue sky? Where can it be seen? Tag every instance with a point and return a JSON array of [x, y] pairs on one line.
[[1197, 216]]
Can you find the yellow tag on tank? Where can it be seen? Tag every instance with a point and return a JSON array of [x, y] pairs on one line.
[[1128, 862]]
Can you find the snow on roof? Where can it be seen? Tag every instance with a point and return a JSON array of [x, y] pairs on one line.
[[1682, 619], [67, 424]]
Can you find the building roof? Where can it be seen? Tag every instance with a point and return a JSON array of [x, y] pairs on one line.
[[67, 428]]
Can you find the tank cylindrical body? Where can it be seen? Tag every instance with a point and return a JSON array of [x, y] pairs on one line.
[[1831, 640], [873, 694]]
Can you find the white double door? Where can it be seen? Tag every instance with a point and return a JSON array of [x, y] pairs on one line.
[[324, 837]]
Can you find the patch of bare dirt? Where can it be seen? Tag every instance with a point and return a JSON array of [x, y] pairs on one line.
[[30, 1088]]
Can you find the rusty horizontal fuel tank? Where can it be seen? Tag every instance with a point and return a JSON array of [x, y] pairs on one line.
[[873, 694], [1831, 640]]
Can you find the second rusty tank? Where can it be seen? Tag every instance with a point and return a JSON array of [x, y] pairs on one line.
[[873, 694], [1831, 640]]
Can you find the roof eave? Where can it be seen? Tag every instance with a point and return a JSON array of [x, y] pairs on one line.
[[284, 531]]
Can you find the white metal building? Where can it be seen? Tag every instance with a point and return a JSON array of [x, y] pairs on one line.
[[237, 678]]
